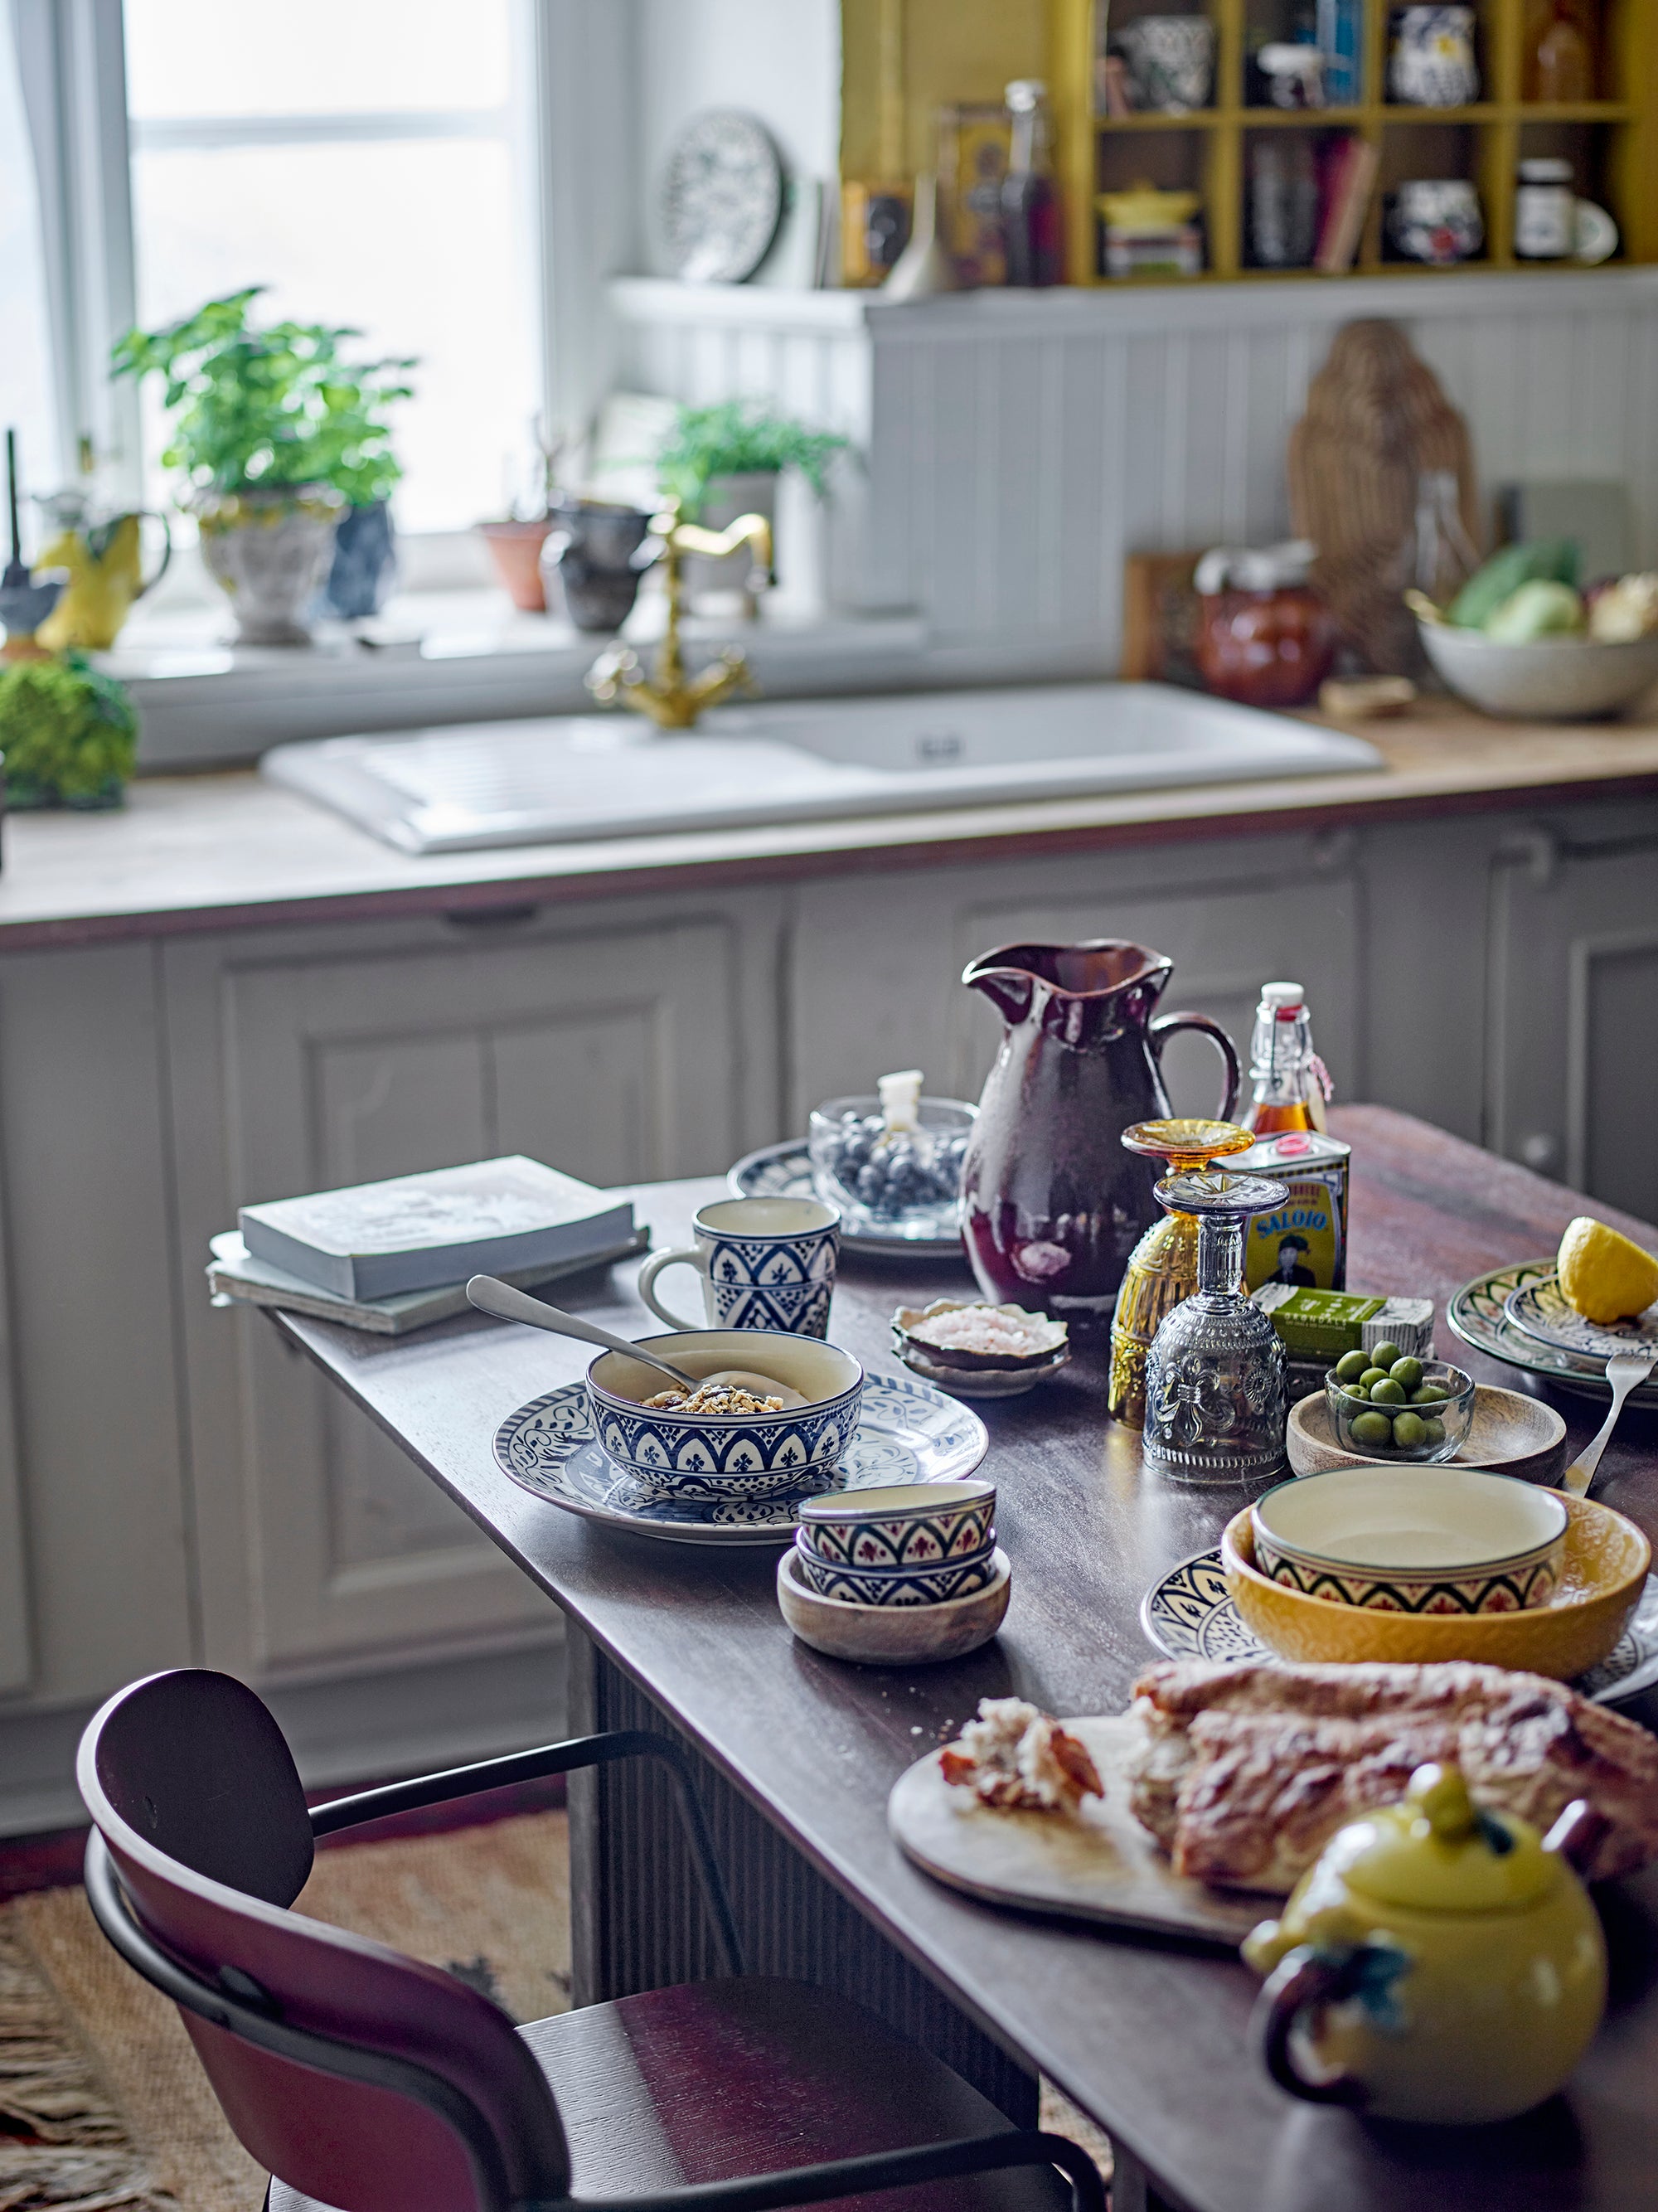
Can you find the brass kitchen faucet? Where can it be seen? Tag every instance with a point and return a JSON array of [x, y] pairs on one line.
[[672, 701]]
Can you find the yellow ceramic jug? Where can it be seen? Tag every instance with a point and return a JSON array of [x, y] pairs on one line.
[[105, 562], [1440, 1962]]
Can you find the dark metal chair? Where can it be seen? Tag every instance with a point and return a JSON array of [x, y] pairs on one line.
[[364, 2081]]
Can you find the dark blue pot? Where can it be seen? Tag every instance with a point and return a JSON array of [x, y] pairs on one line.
[[365, 564]]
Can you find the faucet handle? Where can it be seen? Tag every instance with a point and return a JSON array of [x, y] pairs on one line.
[[611, 674]]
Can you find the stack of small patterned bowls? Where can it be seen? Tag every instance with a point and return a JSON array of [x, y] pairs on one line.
[[907, 1572]]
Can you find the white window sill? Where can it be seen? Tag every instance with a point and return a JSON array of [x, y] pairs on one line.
[[441, 657]]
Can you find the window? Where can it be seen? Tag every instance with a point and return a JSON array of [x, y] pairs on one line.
[[364, 159]]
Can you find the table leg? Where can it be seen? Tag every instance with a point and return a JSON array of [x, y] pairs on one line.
[[637, 1917]]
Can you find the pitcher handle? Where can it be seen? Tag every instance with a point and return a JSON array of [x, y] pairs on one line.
[[1165, 1026], [1300, 1987], [148, 583]]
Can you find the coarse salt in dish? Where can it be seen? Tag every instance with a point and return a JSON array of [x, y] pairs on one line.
[[982, 1336]]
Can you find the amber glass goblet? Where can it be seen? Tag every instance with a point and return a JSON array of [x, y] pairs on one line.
[[1162, 1269]]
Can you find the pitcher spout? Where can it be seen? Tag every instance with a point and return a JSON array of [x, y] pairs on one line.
[[1009, 989]]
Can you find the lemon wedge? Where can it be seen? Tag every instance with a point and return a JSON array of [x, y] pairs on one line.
[[1602, 1274]]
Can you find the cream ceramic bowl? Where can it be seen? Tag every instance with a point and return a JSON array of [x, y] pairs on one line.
[[1554, 679], [1412, 1538], [725, 1455]]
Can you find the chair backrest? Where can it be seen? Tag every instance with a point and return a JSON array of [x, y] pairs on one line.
[[191, 1785]]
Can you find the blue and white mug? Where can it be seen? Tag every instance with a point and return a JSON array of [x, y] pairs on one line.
[[765, 1263]]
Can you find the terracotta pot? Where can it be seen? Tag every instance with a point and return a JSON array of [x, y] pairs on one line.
[[515, 548]]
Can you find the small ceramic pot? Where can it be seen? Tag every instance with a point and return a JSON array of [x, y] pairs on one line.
[[1437, 220], [766, 1263], [726, 1455], [1419, 1541], [515, 549], [1171, 61], [365, 564], [907, 1525], [269, 551], [1433, 63], [936, 1585]]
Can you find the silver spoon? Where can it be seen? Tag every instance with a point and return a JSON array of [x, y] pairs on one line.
[[1624, 1369], [491, 1296]]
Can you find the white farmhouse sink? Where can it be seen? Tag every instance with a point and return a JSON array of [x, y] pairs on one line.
[[612, 775]]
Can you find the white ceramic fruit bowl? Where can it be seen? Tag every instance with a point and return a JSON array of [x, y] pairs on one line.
[[1554, 679]]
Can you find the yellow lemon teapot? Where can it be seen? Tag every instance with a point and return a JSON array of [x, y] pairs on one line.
[[1439, 1963], [105, 562]]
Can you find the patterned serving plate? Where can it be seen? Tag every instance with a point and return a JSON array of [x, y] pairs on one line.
[[1478, 1315], [1190, 1614], [1540, 1310], [907, 1433], [785, 1171]]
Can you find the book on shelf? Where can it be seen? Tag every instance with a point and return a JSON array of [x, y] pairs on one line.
[[1350, 181], [418, 1232], [235, 1277]]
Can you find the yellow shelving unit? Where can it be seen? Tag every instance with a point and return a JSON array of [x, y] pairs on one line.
[[1613, 141]]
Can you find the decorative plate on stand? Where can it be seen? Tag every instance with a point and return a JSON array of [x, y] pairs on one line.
[[722, 196], [785, 1171], [1190, 1614], [907, 1433]]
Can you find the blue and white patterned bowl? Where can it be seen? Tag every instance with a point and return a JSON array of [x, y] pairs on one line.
[[722, 1455], [910, 1525], [920, 1585]]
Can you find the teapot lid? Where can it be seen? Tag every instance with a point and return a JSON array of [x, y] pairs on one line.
[[1439, 1852]]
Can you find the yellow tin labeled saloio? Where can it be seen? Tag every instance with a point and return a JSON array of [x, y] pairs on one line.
[[1302, 1242]]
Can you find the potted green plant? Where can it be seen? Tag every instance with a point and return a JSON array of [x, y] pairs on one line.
[[278, 435], [722, 461]]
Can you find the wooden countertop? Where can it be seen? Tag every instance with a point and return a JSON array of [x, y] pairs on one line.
[[1150, 2038], [230, 851]]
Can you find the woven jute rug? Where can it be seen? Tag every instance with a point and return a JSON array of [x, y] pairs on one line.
[[102, 2102]]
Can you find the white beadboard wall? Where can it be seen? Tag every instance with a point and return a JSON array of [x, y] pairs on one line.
[[1018, 444]]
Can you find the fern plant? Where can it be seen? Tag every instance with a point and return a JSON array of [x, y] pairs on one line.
[[738, 438]]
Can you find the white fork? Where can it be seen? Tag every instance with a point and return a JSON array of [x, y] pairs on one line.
[[1624, 1371]]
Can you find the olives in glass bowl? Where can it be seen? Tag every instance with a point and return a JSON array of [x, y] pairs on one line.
[[1384, 1405], [892, 1182]]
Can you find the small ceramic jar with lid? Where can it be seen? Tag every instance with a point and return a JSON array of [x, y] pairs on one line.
[[1545, 211], [1265, 638]]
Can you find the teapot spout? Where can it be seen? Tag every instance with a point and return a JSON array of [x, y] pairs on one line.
[[1010, 989]]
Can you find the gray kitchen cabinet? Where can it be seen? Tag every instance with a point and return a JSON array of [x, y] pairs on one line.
[[622, 1043], [1571, 1062]]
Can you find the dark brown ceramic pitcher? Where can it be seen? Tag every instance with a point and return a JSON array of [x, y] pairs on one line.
[[1052, 1206]]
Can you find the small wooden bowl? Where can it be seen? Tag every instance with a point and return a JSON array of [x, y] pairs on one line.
[[1603, 1572], [892, 1634], [1510, 1434]]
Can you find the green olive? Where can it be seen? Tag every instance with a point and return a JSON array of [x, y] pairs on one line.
[[1408, 1372], [1429, 1394], [1433, 1433], [1356, 1389], [1374, 1430], [1372, 1375], [1387, 1392], [1352, 1366], [1410, 1431], [1385, 1353]]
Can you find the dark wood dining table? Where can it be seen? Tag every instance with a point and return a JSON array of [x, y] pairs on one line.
[[798, 1752]]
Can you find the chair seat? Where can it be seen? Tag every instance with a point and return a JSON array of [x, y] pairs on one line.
[[717, 2079]]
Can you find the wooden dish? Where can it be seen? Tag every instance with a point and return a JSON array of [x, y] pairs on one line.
[[1510, 1434], [892, 1634], [1603, 1571]]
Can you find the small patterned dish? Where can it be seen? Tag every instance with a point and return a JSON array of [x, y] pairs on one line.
[[934, 1585], [714, 1456], [1415, 1540], [908, 1525], [1541, 1309], [892, 1634], [1030, 1347]]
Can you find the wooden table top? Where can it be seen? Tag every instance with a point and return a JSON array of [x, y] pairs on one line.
[[1147, 2036]]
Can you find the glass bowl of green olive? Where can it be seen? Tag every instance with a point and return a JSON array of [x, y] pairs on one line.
[[1385, 1404]]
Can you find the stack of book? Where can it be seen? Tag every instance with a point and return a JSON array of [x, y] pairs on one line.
[[391, 1256]]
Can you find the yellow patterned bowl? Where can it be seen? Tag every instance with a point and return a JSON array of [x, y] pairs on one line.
[[1603, 1570]]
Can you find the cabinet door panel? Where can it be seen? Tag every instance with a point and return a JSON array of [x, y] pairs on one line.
[[613, 1053], [1574, 1061]]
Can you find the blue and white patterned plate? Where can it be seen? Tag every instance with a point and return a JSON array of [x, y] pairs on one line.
[[1540, 1309], [1190, 1614], [907, 1432]]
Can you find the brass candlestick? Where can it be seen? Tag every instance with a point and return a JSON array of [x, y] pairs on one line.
[[1162, 1269]]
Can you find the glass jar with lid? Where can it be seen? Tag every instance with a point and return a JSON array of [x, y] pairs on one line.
[[1266, 638], [1545, 210]]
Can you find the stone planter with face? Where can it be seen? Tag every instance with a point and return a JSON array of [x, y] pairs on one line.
[[270, 551]]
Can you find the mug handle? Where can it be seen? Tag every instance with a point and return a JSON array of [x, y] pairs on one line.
[[1302, 1985], [148, 583], [687, 1257], [1165, 1026]]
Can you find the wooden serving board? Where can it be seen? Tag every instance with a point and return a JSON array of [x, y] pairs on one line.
[[1097, 1864]]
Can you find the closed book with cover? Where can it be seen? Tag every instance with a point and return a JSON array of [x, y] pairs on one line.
[[377, 1239]]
